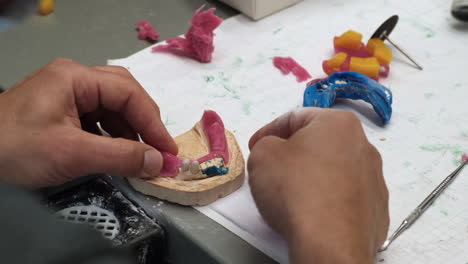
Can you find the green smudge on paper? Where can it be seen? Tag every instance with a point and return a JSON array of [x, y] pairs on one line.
[[209, 78], [246, 107], [413, 120], [444, 212], [261, 59], [406, 164], [168, 122], [278, 30], [238, 62], [428, 95], [434, 148], [454, 150], [218, 95]]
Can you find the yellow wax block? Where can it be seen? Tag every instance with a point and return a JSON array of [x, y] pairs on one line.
[[367, 66], [349, 40], [46, 7], [383, 55], [374, 43], [338, 60]]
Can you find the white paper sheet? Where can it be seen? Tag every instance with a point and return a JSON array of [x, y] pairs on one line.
[[421, 145]]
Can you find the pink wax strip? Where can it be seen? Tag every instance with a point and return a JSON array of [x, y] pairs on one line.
[[198, 41], [288, 64], [214, 129], [146, 31], [465, 157]]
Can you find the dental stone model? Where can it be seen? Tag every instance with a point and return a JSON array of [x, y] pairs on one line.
[[209, 166], [351, 85]]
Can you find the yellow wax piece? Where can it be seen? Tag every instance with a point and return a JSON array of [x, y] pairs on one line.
[[46, 7], [367, 66], [378, 49], [383, 55], [349, 40], [334, 64]]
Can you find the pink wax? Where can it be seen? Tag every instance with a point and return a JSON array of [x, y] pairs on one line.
[[288, 64], [146, 31], [198, 41]]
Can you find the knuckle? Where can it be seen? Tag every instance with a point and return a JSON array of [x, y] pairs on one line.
[[262, 151], [61, 62], [122, 70], [347, 119], [60, 66]]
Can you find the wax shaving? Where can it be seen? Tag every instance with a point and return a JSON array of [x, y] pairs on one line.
[[287, 65]]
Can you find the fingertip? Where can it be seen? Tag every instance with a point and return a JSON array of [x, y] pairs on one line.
[[152, 163]]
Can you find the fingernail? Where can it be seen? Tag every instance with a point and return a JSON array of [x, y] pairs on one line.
[[153, 162]]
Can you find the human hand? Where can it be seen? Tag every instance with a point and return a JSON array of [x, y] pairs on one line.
[[46, 120], [318, 181]]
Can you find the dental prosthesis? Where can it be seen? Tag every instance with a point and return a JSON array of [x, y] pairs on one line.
[[351, 85], [351, 54], [212, 164]]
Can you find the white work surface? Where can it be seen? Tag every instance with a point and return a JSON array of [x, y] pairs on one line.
[[420, 146]]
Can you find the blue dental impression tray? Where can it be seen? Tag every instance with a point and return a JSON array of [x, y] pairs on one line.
[[351, 85]]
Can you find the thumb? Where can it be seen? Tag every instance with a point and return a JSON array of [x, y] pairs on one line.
[[116, 156]]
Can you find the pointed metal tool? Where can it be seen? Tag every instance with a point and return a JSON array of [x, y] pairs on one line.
[[422, 207], [384, 31]]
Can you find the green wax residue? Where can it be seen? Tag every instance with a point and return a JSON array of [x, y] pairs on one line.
[[406, 164], [455, 150], [444, 212], [428, 32], [238, 62], [168, 122], [428, 95], [278, 30], [246, 107], [209, 78]]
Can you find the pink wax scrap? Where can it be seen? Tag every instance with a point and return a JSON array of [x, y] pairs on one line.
[[146, 31], [214, 130], [288, 64], [171, 165], [465, 157], [198, 41]]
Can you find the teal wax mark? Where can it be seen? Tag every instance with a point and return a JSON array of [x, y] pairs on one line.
[[246, 107], [428, 95], [428, 32], [444, 212], [278, 30], [413, 120], [455, 150], [209, 78], [261, 59], [218, 95], [224, 77], [433, 148], [406, 164], [232, 92], [238, 62], [168, 122]]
